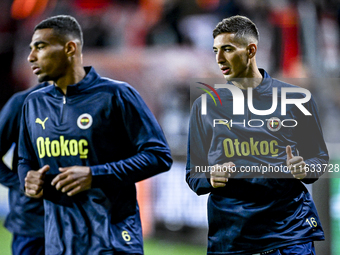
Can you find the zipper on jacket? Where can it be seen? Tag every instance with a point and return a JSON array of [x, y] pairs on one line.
[[247, 114], [63, 109]]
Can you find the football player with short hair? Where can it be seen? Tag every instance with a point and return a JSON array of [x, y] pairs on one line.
[[84, 143], [258, 162]]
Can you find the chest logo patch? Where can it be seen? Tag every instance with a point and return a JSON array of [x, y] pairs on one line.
[[84, 121], [42, 123], [274, 124]]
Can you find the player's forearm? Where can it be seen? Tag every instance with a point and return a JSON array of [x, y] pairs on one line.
[[315, 168], [8, 178], [23, 168], [198, 181], [139, 167]]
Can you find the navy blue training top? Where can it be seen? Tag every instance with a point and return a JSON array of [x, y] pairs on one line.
[[256, 211]]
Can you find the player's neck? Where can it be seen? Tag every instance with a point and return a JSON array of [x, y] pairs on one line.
[[252, 79], [74, 76]]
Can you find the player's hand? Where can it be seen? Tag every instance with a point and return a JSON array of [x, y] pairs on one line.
[[296, 164], [221, 174], [73, 180], [34, 182]]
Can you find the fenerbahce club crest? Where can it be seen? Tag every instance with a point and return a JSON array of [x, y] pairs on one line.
[[274, 124], [84, 121]]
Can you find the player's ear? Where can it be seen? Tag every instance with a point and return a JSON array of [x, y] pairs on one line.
[[252, 48], [70, 48]]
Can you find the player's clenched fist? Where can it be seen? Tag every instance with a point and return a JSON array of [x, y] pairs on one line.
[[220, 174], [296, 164], [34, 182]]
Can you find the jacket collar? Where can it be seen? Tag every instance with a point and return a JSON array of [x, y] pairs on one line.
[[265, 84], [74, 89], [263, 87]]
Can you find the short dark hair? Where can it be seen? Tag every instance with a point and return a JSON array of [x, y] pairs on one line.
[[241, 26], [62, 25]]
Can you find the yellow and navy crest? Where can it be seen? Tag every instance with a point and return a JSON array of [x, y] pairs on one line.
[[84, 121], [274, 124]]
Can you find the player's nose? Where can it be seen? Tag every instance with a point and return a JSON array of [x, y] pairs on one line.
[[32, 56], [220, 58]]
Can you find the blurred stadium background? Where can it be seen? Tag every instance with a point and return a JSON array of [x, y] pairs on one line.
[[158, 46]]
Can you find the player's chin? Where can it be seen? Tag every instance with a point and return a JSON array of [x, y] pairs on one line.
[[42, 78], [230, 77]]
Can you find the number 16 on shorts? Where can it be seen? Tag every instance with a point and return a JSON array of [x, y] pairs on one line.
[[312, 222]]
